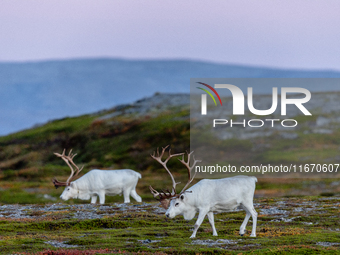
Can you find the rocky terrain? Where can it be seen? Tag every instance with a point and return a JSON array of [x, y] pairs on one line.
[[296, 224]]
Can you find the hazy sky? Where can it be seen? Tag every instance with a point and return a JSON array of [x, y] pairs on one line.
[[275, 33]]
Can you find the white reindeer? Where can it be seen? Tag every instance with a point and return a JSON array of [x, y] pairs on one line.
[[98, 183], [207, 196]]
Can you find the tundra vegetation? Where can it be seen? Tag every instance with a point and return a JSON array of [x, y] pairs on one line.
[[294, 215]]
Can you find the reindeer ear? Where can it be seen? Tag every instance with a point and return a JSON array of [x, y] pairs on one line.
[[182, 197]]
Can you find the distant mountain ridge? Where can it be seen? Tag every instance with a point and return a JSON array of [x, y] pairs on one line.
[[35, 92]]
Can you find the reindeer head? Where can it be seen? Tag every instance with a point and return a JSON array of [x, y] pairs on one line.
[[165, 197]]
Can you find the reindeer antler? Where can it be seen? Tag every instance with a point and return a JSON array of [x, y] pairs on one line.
[[68, 159], [164, 197], [187, 165], [163, 163]]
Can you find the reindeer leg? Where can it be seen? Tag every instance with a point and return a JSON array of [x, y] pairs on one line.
[[93, 199], [254, 216], [126, 194], [199, 221], [250, 210], [212, 223], [101, 197], [243, 226], [134, 194]]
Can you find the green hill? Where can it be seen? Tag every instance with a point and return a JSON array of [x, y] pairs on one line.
[[109, 139], [125, 136]]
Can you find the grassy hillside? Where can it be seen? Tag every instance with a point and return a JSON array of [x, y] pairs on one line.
[[124, 137], [297, 216], [27, 159]]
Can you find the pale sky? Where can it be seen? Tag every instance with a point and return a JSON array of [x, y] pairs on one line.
[[274, 33]]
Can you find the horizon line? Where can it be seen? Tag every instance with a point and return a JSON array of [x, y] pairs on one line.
[[166, 59]]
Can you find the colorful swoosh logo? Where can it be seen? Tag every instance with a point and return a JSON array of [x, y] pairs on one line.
[[208, 92]]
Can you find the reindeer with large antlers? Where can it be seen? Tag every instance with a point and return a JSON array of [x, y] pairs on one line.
[[98, 183], [207, 196]]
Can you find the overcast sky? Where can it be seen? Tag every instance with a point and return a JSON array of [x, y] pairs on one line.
[[274, 33]]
